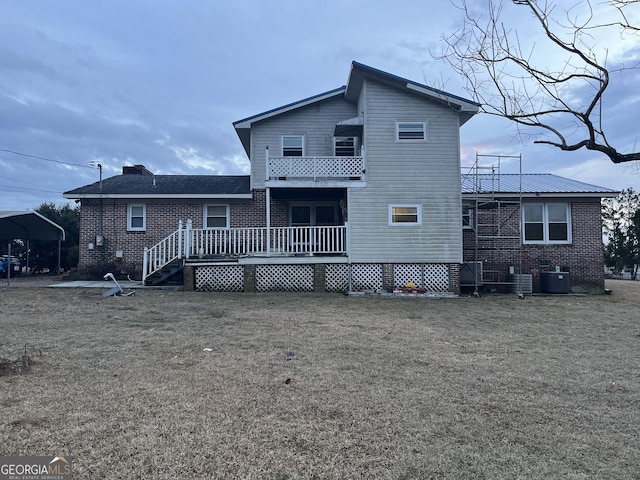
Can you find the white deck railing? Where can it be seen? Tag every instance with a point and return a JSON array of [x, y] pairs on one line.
[[188, 242], [164, 252], [282, 240]]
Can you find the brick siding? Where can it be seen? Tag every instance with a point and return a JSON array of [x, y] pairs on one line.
[[162, 218], [584, 256]]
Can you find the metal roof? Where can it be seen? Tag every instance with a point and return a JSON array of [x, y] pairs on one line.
[[28, 225], [532, 184], [166, 186]]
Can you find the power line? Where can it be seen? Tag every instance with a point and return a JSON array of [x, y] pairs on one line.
[[20, 189], [44, 158]]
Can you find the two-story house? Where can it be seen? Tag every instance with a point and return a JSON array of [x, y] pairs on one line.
[[358, 188]]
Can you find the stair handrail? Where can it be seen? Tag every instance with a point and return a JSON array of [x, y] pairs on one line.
[[164, 252]]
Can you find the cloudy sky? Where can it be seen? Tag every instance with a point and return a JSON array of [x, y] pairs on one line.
[[159, 83]]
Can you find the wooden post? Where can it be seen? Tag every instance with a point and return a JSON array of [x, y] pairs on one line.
[[268, 213], [9, 264], [268, 200], [145, 264], [187, 239]]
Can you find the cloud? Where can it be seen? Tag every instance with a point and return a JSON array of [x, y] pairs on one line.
[[160, 84]]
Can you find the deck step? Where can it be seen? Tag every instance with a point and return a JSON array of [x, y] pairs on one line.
[[170, 274]]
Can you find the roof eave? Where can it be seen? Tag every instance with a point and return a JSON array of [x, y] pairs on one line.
[[246, 123], [466, 108], [474, 195], [124, 196]]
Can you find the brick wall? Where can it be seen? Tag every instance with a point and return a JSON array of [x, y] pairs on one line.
[[162, 218], [584, 256]]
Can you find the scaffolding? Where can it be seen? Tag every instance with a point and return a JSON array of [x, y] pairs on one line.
[[493, 256]]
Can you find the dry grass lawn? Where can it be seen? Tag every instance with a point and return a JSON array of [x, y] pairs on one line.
[[324, 386]]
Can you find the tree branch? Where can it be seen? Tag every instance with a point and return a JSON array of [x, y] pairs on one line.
[[508, 82]]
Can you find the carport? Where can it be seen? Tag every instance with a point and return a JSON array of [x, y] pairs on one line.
[[28, 225]]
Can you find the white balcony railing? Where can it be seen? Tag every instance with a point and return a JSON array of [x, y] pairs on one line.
[[315, 168]]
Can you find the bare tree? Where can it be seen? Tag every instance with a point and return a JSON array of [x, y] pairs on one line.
[[561, 93]]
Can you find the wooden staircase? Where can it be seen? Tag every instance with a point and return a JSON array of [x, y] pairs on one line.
[[169, 274]]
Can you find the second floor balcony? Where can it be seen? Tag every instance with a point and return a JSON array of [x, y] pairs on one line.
[[315, 171]]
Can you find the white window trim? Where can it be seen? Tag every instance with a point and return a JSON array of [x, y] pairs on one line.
[[545, 225], [205, 216], [411, 140], [418, 208], [304, 143], [470, 215], [131, 228], [355, 145]]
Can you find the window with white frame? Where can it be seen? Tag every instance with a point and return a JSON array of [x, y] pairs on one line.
[[416, 131], [136, 217], [546, 223], [292, 146], [216, 216], [405, 215], [344, 146], [467, 216]]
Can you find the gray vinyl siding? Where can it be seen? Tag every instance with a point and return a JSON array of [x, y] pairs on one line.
[[316, 122], [425, 173]]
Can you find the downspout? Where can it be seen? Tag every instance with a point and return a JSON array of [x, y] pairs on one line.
[[100, 211]]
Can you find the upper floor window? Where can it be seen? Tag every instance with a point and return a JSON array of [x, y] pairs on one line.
[[344, 146], [292, 146], [216, 216], [546, 223], [136, 217], [411, 131], [405, 215]]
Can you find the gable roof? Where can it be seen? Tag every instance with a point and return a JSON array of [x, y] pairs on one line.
[[533, 184], [166, 186], [28, 225], [243, 127], [358, 73]]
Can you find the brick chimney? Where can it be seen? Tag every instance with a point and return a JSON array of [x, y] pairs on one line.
[[135, 170]]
